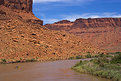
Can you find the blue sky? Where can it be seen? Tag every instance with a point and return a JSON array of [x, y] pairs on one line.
[[51, 11]]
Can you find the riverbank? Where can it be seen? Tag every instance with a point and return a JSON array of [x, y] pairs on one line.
[[3, 61], [102, 67], [48, 58], [54, 58]]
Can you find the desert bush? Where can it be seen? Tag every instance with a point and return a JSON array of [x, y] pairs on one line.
[[31, 60], [88, 55], [78, 57], [101, 67], [117, 52], [3, 60], [116, 59], [70, 58]]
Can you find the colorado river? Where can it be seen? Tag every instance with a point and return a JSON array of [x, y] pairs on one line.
[[46, 71]]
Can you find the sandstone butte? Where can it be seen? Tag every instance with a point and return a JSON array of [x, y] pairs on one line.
[[105, 33], [22, 36]]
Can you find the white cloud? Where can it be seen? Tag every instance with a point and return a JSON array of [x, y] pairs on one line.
[[73, 17], [65, 1], [43, 1], [50, 21]]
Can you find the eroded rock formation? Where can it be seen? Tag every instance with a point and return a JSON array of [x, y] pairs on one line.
[[1, 2], [19, 9], [102, 32], [18, 4], [61, 25], [97, 22]]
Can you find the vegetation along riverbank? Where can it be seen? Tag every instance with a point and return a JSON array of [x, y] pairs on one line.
[[102, 66]]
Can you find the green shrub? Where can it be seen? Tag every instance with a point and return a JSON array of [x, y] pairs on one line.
[[105, 70], [117, 52], [79, 63], [31, 60], [70, 58], [101, 55], [116, 59], [3, 60], [95, 56], [88, 55], [78, 57]]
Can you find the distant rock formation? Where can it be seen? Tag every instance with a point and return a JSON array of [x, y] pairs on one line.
[[85, 23], [18, 4], [63, 22], [102, 32], [97, 22], [61, 25]]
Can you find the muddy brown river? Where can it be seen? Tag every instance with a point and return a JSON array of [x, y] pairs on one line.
[[46, 71]]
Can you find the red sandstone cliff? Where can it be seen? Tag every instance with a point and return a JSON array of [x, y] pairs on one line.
[[19, 9], [18, 4], [102, 32], [61, 25], [97, 22]]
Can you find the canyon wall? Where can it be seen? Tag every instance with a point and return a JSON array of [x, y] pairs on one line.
[[1, 2], [97, 22], [18, 4], [85, 23], [61, 25], [102, 32], [19, 9]]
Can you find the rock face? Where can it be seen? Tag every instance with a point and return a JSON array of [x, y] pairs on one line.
[[86, 23], [34, 21], [2, 12], [61, 25], [18, 4], [1, 2], [63, 22], [102, 32], [19, 9], [97, 22]]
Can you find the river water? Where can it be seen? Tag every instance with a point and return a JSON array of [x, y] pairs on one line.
[[46, 71]]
